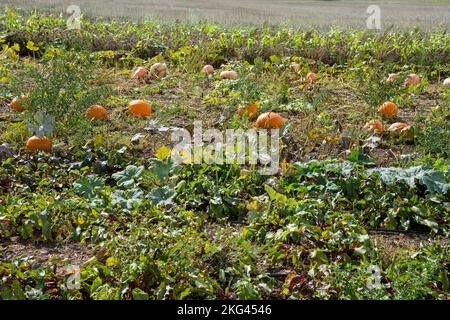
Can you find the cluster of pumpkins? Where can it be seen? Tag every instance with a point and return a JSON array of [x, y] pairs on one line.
[[268, 120], [138, 108], [389, 110]]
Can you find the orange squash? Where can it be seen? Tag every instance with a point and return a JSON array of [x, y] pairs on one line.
[[97, 112], [388, 109], [311, 77], [374, 126], [402, 129], [413, 79], [139, 73], [250, 110], [16, 103], [39, 143], [158, 71], [139, 108], [447, 82], [208, 69], [228, 74], [269, 120]]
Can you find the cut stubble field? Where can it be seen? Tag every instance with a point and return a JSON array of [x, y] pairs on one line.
[[322, 14]]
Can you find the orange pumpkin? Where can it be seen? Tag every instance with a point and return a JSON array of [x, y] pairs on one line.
[[401, 128], [374, 126], [228, 74], [97, 112], [250, 111], [388, 109], [311, 77], [413, 79], [447, 82], [269, 120], [139, 108], [139, 73], [208, 69], [39, 143], [16, 103], [158, 71]]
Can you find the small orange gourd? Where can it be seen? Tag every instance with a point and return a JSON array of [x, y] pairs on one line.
[[413, 79], [208, 69], [139, 73], [97, 112], [311, 77], [158, 71], [39, 143], [16, 103], [139, 108], [374, 126], [401, 128], [388, 109], [250, 110], [228, 74], [447, 82], [269, 120]]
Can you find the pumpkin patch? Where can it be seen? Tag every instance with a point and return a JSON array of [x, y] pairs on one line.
[[140, 162]]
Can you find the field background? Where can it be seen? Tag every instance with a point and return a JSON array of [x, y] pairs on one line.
[[394, 14]]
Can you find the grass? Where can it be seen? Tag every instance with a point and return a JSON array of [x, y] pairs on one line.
[[110, 199]]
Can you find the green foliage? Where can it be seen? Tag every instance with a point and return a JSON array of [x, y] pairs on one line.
[[209, 231], [59, 91]]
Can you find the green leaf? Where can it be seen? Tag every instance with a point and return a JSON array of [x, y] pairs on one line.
[[139, 294], [162, 196], [129, 176], [86, 186], [357, 155], [127, 199], [433, 180]]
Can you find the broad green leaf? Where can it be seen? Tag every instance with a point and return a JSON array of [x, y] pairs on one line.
[[129, 176]]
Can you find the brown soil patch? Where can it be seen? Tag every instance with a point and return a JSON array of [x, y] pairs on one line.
[[45, 253]]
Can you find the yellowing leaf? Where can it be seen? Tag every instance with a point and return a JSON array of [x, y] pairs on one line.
[[16, 47], [111, 261], [163, 152], [285, 165], [314, 133], [31, 46]]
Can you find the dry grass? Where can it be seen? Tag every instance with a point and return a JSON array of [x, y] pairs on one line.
[[397, 14]]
